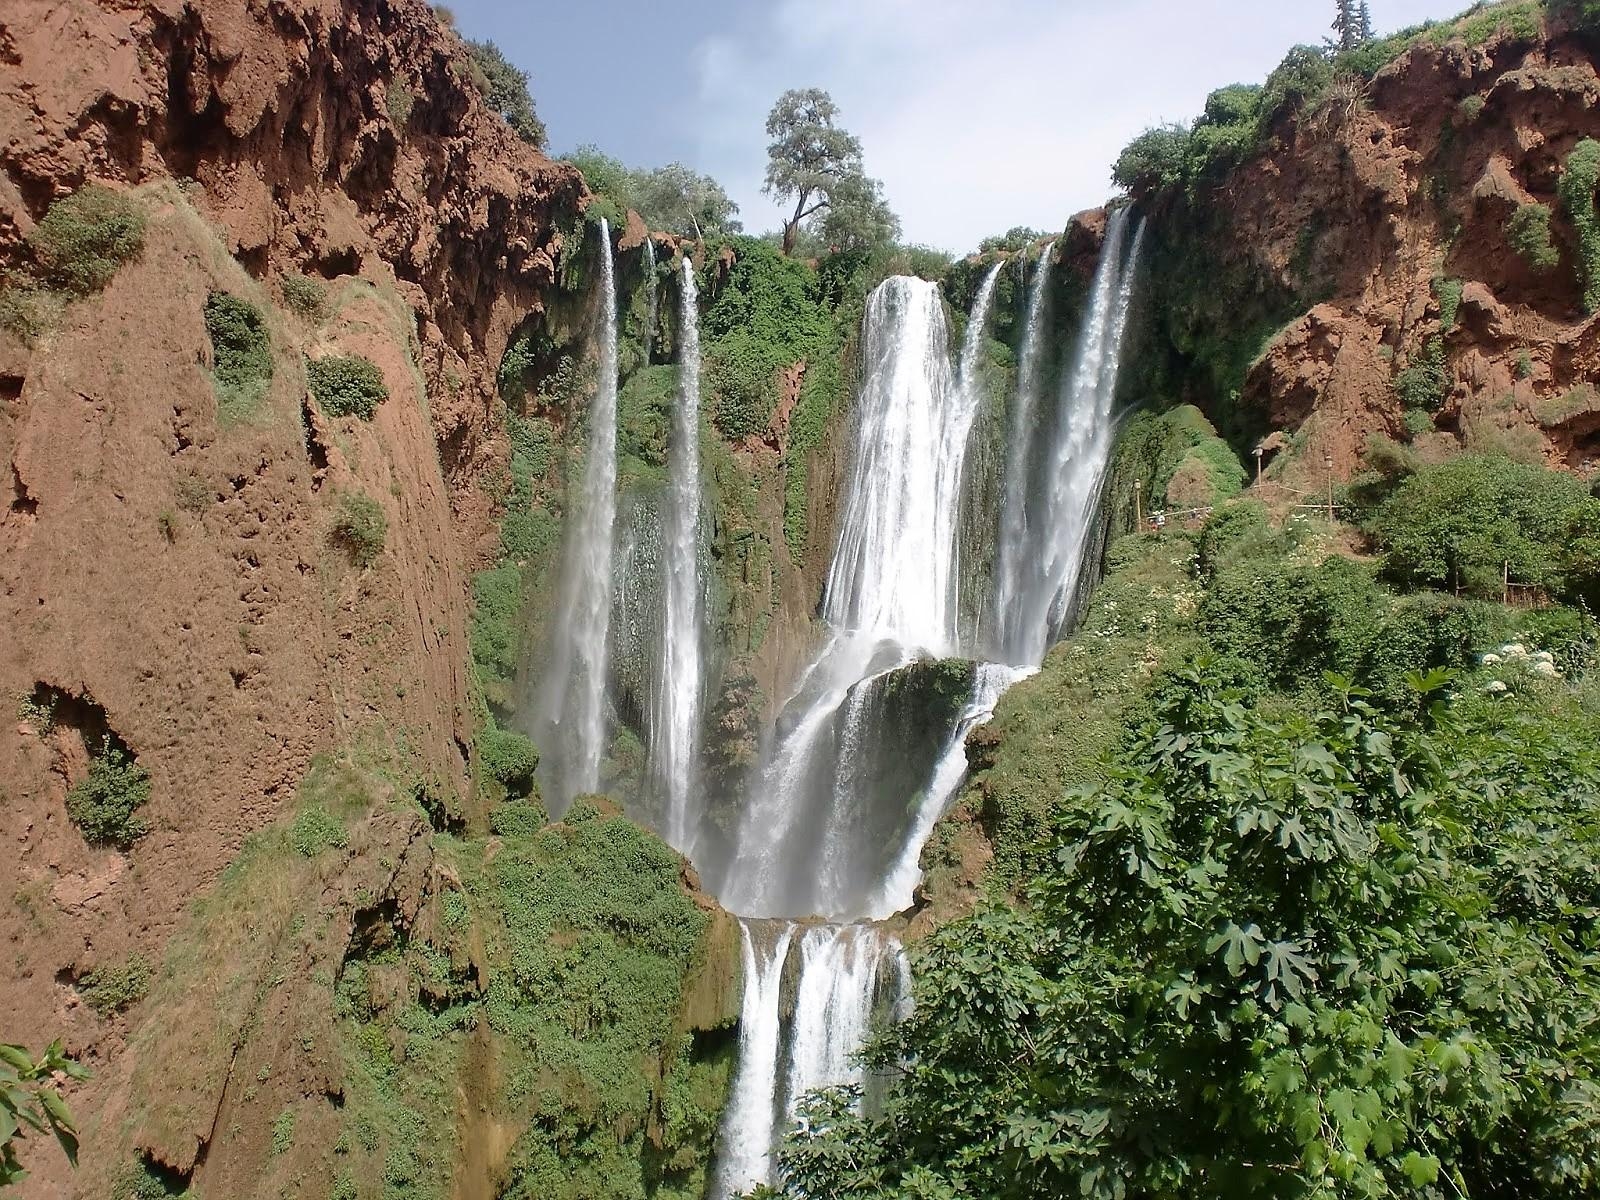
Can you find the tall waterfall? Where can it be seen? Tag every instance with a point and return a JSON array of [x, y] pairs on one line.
[[812, 839], [750, 1120], [1011, 548], [1062, 462], [675, 740], [572, 707], [890, 599]]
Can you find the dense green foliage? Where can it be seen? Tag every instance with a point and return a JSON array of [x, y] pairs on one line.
[[1329, 950], [315, 829], [29, 1100], [104, 804], [505, 86], [347, 385], [767, 315], [82, 240], [1577, 191], [241, 355], [671, 199], [1462, 522], [510, 759], [1528, 232], [1425, 383], [360, 527], [115, 988]]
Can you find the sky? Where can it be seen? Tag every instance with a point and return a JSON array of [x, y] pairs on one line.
[[977, 115]]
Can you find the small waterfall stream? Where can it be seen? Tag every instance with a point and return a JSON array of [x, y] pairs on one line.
[[571, 709], [1011, 549], [675, 740]]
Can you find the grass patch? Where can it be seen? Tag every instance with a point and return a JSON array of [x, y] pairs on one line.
[[315, 829], [360, 528]]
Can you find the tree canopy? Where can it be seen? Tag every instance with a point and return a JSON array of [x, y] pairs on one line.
[[505, 86], [818, 166], [671, 199]]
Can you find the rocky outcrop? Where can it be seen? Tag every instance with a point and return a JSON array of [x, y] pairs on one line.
[[171, 573], [1372, 235]]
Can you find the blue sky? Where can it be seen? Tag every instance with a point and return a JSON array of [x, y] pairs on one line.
[[976, 114]]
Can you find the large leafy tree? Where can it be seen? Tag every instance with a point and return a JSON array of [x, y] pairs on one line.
[[682, 201], [1352, 24], [505, 86], [815, 164], [1329, 953]]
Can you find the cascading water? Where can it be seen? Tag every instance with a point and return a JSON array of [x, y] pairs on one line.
[[750, 1120], [891, 601], [572, 706], [675, 727], [890, 597], [899, 886], [1011, 549], [1045, 547]]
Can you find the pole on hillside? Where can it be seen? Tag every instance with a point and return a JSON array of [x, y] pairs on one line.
[[1138, 505], [1327, 461], [1505, 582], [1258, 466]]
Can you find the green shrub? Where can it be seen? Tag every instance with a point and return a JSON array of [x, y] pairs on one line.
[[115, 989], [518, 818], [505, 87], [509, 758], [1528, 234], [1577, 190], [1155, 161], [241, 354], [315, 829], [283, 1131], [304, 295], [142, 1181], [347, 385], [360, 528], [399, 100], [1303, 77], [496, 632], [103, 803], [1459, 523], [1418, 421], [84, 238]]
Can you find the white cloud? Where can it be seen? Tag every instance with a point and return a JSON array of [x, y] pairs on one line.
[[979, 116]]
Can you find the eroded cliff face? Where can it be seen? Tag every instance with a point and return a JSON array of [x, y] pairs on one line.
[[1306, 291], [177, 586]]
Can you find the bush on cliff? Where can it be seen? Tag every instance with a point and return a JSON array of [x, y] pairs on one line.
[[241, 355], [360, 528], [347, 385], [505, 86], [84, 238], [104, 804], [1528, 232], [1579, 179]]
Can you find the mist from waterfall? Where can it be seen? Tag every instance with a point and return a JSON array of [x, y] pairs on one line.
[[675, 724], [571, 709]]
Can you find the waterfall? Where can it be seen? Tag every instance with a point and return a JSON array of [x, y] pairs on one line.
[[750, 1120], [891, 599], [898, 889], [1011, 550], [890, 596], [572, 707], [675, 740], [841, 979], [1046, 547], [651, 312], [977, 324]]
